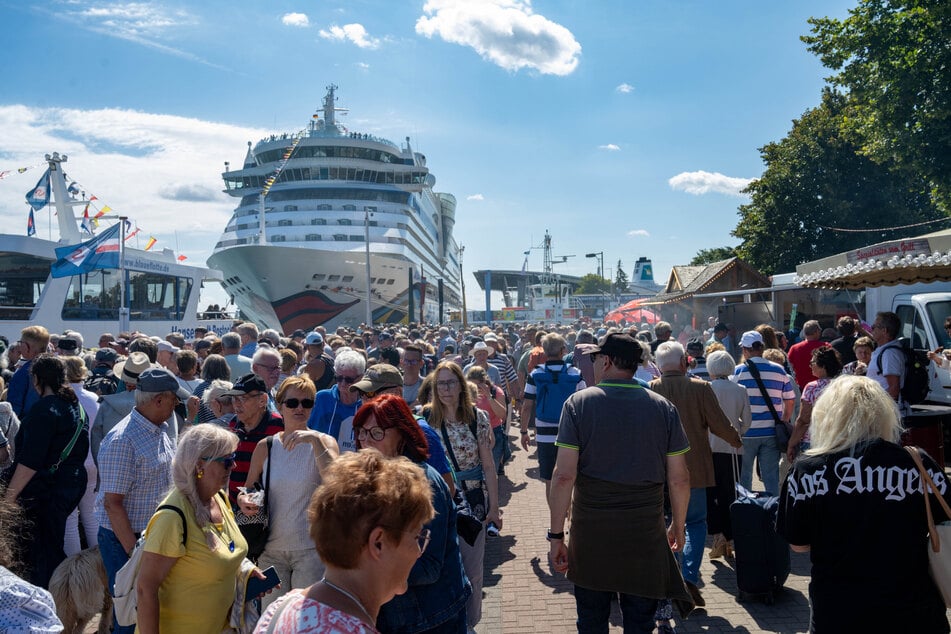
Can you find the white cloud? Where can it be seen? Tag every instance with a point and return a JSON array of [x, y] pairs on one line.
[[475, 197], [610, 147], [355, 33], [143, 23], [701, 182], [363, 66], [163, 171], [505, 32], [295, 19], [639, 233], [624, 88]]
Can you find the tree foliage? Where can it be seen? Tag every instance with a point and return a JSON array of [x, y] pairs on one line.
[[709, 256], [893, 59], [620, 278], [816, 181], [592, 284]]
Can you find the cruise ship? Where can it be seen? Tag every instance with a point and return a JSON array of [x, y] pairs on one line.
[[337, 227]]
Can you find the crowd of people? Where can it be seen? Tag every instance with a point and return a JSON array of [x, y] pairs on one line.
[[363, 466]]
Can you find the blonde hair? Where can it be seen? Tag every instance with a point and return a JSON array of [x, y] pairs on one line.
[[194, 445], [75, 369], [852, 410], [775, 355], [464, 409]]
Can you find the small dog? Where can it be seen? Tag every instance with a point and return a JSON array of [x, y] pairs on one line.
[[80, 589]]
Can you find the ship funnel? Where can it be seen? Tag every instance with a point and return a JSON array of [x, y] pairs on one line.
[[643, 272]]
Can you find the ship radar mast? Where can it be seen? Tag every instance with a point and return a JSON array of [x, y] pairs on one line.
[[330, 109]]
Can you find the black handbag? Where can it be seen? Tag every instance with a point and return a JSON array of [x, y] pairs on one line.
[[783, 430], [471, 508], [257, 528]]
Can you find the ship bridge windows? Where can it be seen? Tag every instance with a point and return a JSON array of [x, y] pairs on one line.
[[331, 151], [152, 296], [22, 278], [333, 278]]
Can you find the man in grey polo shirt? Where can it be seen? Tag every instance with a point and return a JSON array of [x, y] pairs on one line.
[[618, 443], [135, 470]]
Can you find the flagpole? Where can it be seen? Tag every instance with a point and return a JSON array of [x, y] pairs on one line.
[[123, 309]]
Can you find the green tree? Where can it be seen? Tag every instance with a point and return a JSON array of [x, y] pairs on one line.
[[893, 59], [620, 278], [709, 256], [815, 182], [592, 284]]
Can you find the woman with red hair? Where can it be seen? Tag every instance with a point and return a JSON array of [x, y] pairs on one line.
[[438, 587]]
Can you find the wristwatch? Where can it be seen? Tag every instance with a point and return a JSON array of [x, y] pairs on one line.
[[552, 535]]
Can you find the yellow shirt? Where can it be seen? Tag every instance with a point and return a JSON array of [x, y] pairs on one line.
[[197, 594]]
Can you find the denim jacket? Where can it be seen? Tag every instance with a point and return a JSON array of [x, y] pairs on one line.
[[438, 586]]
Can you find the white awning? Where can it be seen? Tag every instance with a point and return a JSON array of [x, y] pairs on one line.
[[924, 258]]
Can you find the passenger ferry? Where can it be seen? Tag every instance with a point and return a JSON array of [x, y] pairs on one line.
[[162, 295], [337, 227]]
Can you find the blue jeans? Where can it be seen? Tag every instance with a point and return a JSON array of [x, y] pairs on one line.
[[498, 450], [113, 558], [594, 610], [696, 536], [767, 450]]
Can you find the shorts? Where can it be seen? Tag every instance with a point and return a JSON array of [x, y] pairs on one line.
[[547, 452]]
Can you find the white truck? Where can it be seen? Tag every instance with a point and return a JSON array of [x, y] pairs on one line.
[[922, 309]]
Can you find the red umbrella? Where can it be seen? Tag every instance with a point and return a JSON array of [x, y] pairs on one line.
[[632, 312]]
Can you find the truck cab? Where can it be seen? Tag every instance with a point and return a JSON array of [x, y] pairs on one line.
[[922, 322]]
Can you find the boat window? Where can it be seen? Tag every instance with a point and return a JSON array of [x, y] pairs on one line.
[[354, 238], [333, 278], [390, 282], [339, 237], [279, 238], [290, 207], [318, 221], [22, 278], [312, 237], [323, 207], [319, 277], [345, 221], [347, 278], [286, 222], [349, 207], [152, 296]]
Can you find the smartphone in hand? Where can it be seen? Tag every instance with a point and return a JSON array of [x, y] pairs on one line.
[[257, 587]]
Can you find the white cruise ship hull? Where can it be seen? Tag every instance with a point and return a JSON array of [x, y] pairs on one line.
[[288, 288]]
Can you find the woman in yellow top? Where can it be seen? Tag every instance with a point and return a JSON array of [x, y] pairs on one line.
[[190, 587]]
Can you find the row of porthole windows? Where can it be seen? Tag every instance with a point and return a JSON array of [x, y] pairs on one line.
[[253, 211], [321, 277]]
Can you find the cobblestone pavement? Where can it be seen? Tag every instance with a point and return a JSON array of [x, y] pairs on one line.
[[523, 594]]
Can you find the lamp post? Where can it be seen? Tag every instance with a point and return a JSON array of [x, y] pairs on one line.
[[600, 256]]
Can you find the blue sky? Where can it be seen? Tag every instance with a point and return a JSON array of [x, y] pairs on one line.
[[620, 126]]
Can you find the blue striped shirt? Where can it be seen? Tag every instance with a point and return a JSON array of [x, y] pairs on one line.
[[135, 461], [777, 385]]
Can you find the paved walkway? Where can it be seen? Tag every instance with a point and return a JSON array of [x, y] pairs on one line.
[[523, 594]]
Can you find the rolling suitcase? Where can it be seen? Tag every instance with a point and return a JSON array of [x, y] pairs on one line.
[[762, 555]]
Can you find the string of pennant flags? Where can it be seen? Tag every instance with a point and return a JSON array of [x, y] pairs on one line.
[[39, 196], [270, 180]]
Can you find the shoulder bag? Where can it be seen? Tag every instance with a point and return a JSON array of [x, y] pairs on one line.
[[939, 560], [256, 528], [471, 508], [783, 430]]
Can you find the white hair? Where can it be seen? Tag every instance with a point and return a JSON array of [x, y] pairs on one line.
[[197, 443], [668, 356], [720, 364], [349, 360]]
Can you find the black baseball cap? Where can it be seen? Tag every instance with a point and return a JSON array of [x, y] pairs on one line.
[[618, 346], [247, 384]]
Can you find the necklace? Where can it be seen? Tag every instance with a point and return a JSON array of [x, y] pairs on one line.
[[350, 596], [221, 534]]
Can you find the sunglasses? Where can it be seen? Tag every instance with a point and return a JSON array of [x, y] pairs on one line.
[[349, 380], [293, 403], [227, 462]]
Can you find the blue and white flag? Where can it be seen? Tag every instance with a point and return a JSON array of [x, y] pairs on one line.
[[31, 225], [39, 196], [102, 252]]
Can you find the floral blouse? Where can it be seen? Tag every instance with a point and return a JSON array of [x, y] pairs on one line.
[[465, 447]]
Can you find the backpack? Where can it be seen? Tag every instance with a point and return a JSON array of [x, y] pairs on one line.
[[124, 602], [103, 384], [916, 384], [552, 389]]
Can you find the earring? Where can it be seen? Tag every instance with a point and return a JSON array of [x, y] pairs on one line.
[[200, 474]]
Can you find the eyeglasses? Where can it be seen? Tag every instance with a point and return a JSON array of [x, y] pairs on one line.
[[227, 462], [349, 380], [293, 403], [422, 540], [447, 385], [376, 433]]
